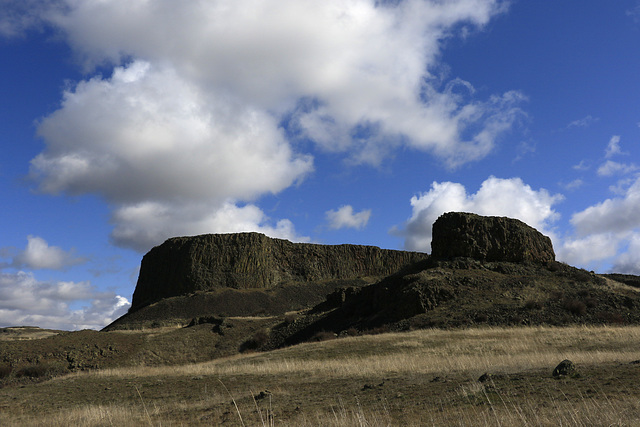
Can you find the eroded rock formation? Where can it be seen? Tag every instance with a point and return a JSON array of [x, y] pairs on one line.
[[488, 238], [185, 265]]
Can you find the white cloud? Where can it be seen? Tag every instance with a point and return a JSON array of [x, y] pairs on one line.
[[583, 122], [583, 251], [39, 255], [613, 147], [582, 166], [345, 217], [26, 301], [610, 168], [629, 261], [608, 231], [144, 225], [573, 185], [614, 215], [192, 116], [498, 197]]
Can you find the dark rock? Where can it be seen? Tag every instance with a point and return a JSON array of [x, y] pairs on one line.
[[489, 238], [566, 367], [484, 377], [185, 265]]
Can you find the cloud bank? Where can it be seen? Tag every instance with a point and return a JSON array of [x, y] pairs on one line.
[[24, 300], [209, 104]]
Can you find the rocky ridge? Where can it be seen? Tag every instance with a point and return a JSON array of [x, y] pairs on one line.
[[185, 265]]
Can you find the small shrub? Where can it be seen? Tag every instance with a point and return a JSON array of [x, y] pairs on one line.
[[533, 305], [615, 318], [591, 302], [259, 339], [575, 307], [352, 332], [5, 371], [482, 318], [36, 371]]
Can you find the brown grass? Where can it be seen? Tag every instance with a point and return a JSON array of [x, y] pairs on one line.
[[424, 377]]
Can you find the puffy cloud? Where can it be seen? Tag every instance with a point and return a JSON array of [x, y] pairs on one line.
[[613, 147], [629, 261], [345, 217], [608, 231], [583, 251], [26, 301], [496, 196], [610, 168], [614, 215], [146, 224], [147, 134], [208, 100], [39, 255]]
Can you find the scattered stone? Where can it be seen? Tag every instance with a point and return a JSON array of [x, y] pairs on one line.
[[488, 238], [484, 377], [262, 395], [564, 368]]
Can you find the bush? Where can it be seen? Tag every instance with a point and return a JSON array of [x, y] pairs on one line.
[[5, 371], [576, 307], [533, 305], [37, 371], [258, 340]]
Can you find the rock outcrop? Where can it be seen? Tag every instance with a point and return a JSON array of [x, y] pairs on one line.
[[488, 238], [185, 265]]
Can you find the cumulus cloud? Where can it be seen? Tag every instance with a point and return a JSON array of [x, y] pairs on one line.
[[629, 261], [24, 300], [345, 217], [615, 215], [39, 255], [208, 100], [146, 224], [608, 230], [496, 196]]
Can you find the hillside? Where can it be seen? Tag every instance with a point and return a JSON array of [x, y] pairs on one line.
[[476, 276]]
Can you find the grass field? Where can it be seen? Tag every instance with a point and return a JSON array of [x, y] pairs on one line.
[[427, 377]]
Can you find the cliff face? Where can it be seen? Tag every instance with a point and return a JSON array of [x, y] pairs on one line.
[[184, 265], [489, 238]]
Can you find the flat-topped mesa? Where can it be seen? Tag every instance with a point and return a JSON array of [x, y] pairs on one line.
[[183, 265], [488, 238]]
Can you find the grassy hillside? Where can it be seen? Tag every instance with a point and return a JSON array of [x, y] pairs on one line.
[[427, 377]]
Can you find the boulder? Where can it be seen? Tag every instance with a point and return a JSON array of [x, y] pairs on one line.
[[488, 238], [566, 367], [186, 265]]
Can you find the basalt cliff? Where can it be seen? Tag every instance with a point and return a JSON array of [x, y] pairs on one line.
[[185, 265]]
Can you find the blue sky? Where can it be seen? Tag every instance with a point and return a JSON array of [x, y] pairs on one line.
[[123, 123]]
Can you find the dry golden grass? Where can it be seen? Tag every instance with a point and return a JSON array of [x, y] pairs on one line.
[[426, 352], [321, 384]]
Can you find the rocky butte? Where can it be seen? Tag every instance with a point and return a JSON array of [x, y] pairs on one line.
[[184, 265], [489, 238]]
